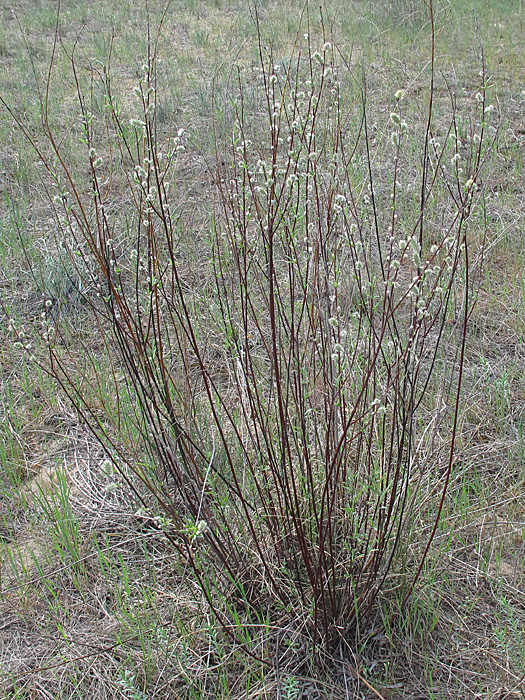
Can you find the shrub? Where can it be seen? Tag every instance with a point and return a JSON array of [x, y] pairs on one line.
[[271, 382]]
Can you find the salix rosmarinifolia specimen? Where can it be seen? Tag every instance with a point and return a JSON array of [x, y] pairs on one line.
[[277, 370]]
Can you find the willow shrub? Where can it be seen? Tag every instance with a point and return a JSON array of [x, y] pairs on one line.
[[271, 375]]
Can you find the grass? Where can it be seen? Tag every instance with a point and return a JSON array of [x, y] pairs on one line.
[[95, 601]]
